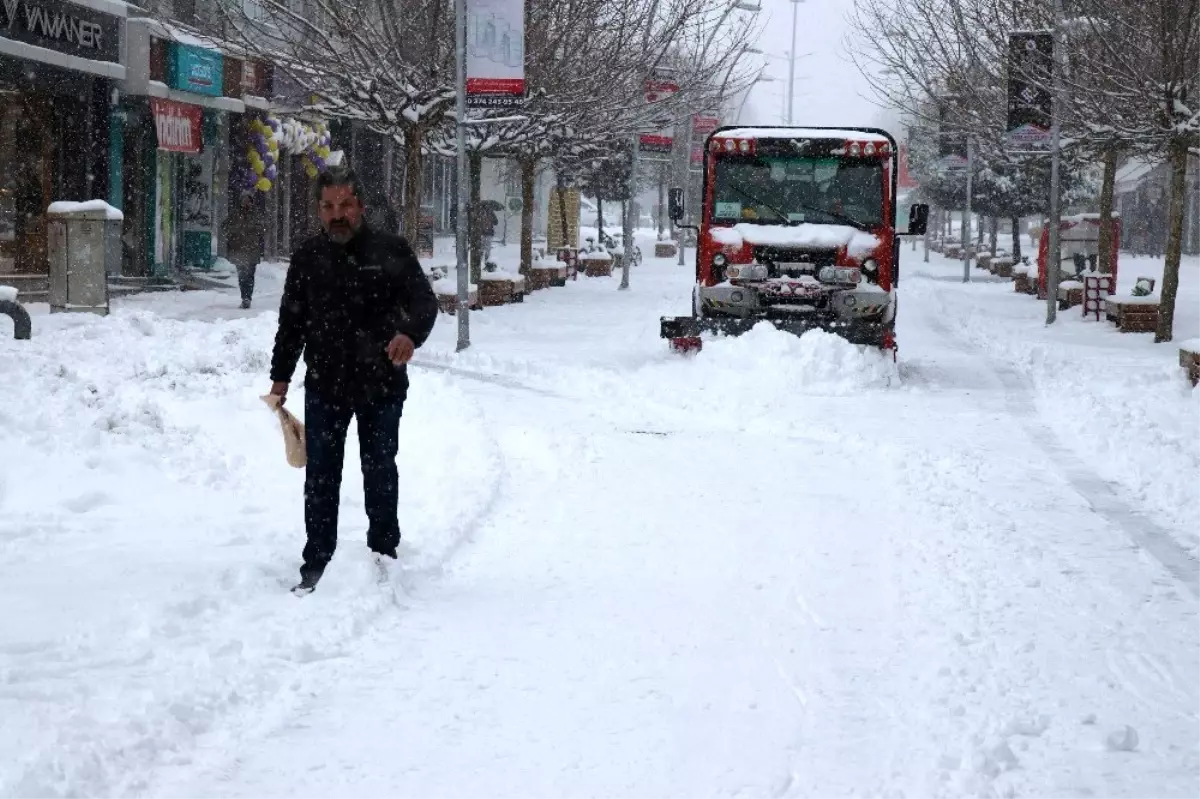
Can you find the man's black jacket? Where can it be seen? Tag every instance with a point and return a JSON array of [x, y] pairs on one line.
[[342, 304]]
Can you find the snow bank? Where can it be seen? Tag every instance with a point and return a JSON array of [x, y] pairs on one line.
[[64, 207], [1119, 402], [8, 294], [152, 529]]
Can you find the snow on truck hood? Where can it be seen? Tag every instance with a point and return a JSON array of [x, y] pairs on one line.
[[805, 235]]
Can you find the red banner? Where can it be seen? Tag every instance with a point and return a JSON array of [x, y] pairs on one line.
[[704, 124], [179, 126], [904, 178]]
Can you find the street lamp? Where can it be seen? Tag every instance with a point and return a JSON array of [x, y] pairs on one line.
[[792, 61]]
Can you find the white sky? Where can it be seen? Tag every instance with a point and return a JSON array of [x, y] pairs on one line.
[[829, 89]]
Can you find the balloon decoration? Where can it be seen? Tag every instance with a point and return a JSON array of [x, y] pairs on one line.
[[270, 137], [262, 154]]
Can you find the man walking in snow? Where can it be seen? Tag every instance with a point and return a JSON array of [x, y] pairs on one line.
[[357, 304]]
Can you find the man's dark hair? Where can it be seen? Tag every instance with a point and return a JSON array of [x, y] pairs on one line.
[[340, 176]]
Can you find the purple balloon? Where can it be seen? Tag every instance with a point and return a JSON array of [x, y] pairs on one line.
[[270, 172], [273, 124]]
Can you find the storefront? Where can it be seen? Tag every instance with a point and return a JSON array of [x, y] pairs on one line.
[[178, 113], [58, 64]]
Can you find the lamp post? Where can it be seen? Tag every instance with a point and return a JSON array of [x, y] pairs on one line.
[[792, 62]]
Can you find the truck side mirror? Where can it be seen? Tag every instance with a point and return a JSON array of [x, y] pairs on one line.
[[675, 204], [918, 219]]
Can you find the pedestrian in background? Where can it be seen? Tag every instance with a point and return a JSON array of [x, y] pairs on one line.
[[357, 304], [245, 243]]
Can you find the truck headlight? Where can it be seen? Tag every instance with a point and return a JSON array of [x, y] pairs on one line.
[[732, 272], [719, 260], [839, 274], [870, 265]]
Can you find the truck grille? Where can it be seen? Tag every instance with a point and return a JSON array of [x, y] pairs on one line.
[[792, 261]]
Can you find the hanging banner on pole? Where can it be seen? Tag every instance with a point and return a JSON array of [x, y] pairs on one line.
[[702, 127], [952, 143], [495, 53], [1030, 104], [660, 139]]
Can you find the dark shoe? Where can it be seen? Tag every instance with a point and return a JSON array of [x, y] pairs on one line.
[[245, 304], [310, 575], [388, 552]]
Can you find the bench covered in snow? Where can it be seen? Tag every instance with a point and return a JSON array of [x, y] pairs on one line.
[[22, 325]]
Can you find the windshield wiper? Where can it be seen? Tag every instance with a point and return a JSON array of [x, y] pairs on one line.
[[845, 220], [757, 201], [840, 217]]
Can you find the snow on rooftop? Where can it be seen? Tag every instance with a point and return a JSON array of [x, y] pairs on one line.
[[94, 206], [799, 133]]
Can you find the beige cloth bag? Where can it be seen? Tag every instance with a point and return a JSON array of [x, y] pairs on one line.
[[293, 432]]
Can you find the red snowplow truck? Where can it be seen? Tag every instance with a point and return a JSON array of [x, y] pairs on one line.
[[797, 228]]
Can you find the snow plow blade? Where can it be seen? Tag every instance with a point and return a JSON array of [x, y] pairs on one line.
[[687, 327]]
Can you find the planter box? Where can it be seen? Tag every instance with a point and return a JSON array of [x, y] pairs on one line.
[[984, 262], [954, 253], [448, 299], [539, 278], [1134, 314], [596, 267], [665, 249], [1069, 297], [1001, 267], [501, 289], [1023, 283]]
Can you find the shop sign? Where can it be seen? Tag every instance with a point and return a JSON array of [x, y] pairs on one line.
[[62, 27], [179, 126], [195, 70]]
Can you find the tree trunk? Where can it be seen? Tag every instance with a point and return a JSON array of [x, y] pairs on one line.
[[1106, 209], [413, 182], [1016, 239], [474, 231], [528, 177], [599, 220], [561, 185], [993, 234], [1178, 160], [979, 235]]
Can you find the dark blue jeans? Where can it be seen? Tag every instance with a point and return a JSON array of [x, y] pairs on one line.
[[325, 426]]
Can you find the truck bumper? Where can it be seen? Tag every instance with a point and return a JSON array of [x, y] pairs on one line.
[[878, 334]]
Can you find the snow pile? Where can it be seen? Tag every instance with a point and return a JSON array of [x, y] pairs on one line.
[[8, 294], [151, 529]]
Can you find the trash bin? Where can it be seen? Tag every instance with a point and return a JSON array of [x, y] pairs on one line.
[[84, 243]]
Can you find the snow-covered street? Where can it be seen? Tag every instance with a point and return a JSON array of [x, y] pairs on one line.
[[781, 567]]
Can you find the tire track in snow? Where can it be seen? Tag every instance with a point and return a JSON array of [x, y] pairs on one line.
[[1105, 498]]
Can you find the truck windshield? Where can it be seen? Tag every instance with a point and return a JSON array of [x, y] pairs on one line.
[[791, 190]]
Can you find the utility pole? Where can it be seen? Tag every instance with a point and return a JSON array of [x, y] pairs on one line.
[[629, 213], [966, 221], [1053, 251], [460, 234], [791, 95]]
